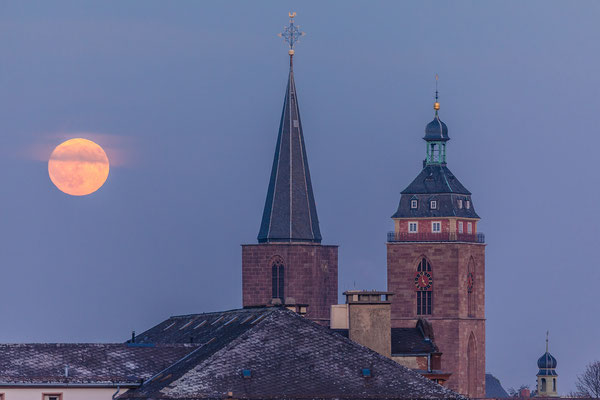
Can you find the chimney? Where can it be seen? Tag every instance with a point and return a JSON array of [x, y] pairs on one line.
[[524, 393], [367, 316]]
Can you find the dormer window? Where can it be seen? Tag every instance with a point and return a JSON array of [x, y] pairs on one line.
[[468, 204], [433, 204], [460, 205], [414, 204]]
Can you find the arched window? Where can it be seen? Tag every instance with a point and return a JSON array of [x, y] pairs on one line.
[[472, 365], [277, 279], [424, 283], [554, 384], [471, 288], [543, 384]]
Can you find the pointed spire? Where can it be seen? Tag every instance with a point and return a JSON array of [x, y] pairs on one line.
[[547, 334], [290, 213]]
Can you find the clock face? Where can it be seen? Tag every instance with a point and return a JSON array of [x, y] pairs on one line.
[[423, 280], [470, 281]]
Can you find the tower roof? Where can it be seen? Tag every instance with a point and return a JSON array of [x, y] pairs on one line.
[[290, 213], [436, 130]]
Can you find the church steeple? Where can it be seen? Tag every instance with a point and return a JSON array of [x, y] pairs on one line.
[[290, 214], [436, 135]]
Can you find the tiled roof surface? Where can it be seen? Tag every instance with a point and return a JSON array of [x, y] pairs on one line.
[[287, 357], [88, 363], [290, 214], [493, 388]]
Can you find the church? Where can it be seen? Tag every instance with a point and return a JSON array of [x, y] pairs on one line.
[[435, 255], [423, 337]]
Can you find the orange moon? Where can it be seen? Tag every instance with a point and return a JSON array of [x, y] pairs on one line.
[[78, 167]]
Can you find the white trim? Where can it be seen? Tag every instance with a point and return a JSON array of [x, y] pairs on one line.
[[439, 226], [461, 228], [433, 204], [416, 204], [469, 227]]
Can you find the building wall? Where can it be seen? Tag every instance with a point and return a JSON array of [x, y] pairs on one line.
[[67, 393], [369, 325], [415, 362], [454, 329], [311, 275]]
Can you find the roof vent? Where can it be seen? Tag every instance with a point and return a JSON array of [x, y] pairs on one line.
[[246, 373], [366, 372]]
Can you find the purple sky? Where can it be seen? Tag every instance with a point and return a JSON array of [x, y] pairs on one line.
[[186, 98]]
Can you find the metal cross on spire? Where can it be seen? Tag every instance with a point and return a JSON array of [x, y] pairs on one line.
[[291, 33], [436, 105]]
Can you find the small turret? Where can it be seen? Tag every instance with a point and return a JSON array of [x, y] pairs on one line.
[[546, 376]]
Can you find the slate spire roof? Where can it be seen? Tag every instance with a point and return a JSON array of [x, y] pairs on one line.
[[290, 213]]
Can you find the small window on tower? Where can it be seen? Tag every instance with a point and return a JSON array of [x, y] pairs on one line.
[[414, 204], [436, 227], [433, 204], [468, 204], [460, 227], [469, 227], [413, 227], [460, 203]]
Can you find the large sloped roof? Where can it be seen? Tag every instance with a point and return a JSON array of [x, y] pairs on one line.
[[85, 363], [286, 357], [436, 179], [290, 213]]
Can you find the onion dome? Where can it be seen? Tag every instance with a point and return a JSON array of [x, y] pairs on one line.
[[547, 361], [436, 130]]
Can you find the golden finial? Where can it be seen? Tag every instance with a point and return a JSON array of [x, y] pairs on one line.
[[436, 105], [292, 14]]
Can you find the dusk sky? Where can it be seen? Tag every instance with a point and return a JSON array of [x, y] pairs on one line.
[[186, 96]]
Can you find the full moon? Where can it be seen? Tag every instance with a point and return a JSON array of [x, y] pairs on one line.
[[78, 167]]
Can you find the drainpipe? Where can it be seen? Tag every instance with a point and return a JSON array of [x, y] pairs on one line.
[[114, 396], [428, 362]]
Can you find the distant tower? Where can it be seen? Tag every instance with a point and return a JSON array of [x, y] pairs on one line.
[[289, 263], [436, 264], [546, 376]]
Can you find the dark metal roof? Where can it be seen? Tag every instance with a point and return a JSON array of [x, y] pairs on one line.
[[280, 355], [547, 360], [436, 130], [290, 214], [84, 363], [411, 341], [435, 179], [447, 206]]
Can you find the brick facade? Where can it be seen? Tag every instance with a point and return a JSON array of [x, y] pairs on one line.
[[459, 336], [310, 277]]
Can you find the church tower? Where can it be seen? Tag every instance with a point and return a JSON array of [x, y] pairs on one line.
[[546, 376], [289, 264], [436, 264]]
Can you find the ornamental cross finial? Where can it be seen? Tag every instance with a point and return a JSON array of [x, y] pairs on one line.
[[547, 334], [436, 105], [291, 33]]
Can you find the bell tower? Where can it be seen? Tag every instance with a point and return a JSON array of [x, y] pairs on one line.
[[546, 376], [289, 264], [436, 264]]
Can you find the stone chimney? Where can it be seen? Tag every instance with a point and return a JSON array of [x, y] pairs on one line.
[[367, 317]]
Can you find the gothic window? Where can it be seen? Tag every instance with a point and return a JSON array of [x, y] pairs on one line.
[[277, 279], [472, 365], [470, 288], [424, 291]]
